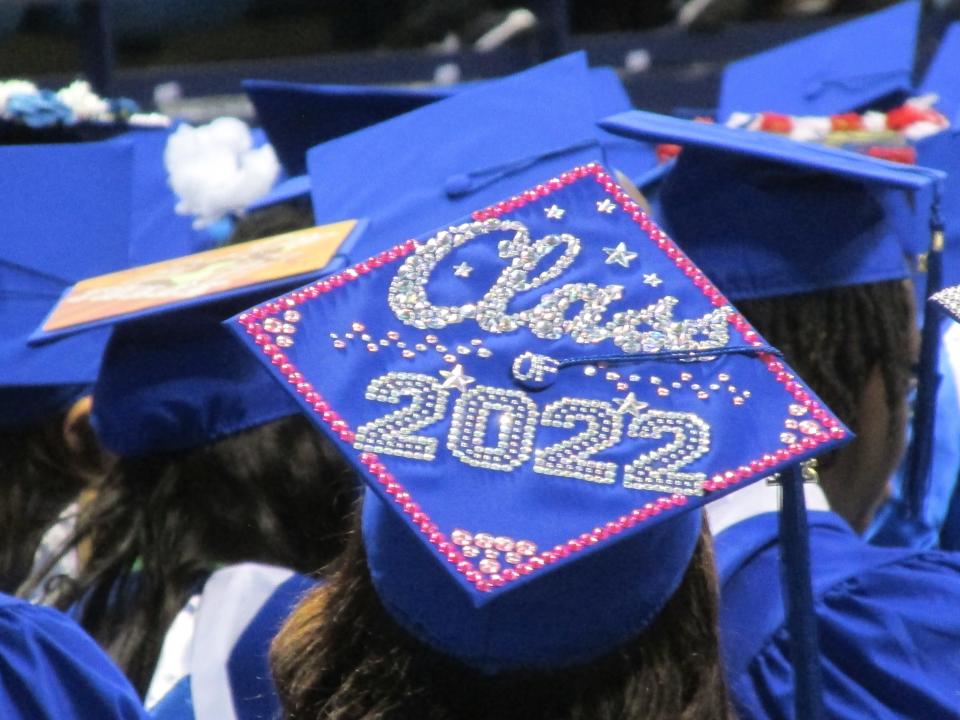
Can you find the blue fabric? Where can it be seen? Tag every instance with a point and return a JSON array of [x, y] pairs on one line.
[[177, 704], [251, 684], [729, 214], [51, 670], [848, 66], [158, 232], [175, 381], [367, 348], [893, 525], [650, 127], [941, 75], [887, 622], [254, 694], [297, 116], [544, 111], [66, 212]]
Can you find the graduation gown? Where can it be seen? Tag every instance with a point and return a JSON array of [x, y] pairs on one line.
[[214, 663], [51, 670], [888, 622]]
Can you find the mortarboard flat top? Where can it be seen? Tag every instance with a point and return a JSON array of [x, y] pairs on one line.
[[297, 116], [840, 69], [135, 293], [539, 396], [443, 160], [941, 76], [764, 215], [652, 127], [171, 379], [67, 214]]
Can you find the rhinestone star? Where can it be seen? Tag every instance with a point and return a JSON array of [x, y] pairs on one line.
[[619, 255], [555, 212], [651, 279], [456, 379], [605, 206], [630, 404], [462, 270]]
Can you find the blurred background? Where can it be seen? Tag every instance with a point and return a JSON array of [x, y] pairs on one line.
[[187, 57]]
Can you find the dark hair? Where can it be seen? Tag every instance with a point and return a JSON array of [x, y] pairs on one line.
[[836, 338], [40, 475], [855, 346], [341, 657], [287, 216], [277, 494]]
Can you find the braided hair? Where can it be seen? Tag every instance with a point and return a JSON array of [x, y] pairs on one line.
[[836, 338]]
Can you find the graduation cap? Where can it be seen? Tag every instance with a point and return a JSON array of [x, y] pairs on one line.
[[847, 67], [158, 232], [941, 76], [171, 378], [67, 214], [471, 149], [765, 215], [297, 116], [948, 300], [540, 396]]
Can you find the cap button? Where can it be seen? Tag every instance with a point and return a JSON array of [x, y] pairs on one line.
[[535, 372]]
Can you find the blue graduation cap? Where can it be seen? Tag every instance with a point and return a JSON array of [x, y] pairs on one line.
[[442, 160], [171, 378], [297, 116], [941, 76], [540, 396], [67, 213], [158, 232], [796, 217], [844, 68]]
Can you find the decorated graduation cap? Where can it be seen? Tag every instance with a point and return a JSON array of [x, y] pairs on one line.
[[764, 215], [487, 141], [540, 396], [171, 378], [67, 214], [844, 68]]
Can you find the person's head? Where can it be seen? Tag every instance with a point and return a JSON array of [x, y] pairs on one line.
[[341, 656], [528, 520], [213, 465], [64, 206], [45, 464], [160, 524], [857, 347], [811, 245]]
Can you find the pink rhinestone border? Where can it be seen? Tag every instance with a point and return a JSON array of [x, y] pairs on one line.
[[252, 322]]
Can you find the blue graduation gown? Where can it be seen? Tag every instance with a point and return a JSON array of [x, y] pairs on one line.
[[888, 618], [894, 524], [239, 612], [51, 670]]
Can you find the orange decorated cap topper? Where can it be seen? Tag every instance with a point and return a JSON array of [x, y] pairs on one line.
[[148, 289]]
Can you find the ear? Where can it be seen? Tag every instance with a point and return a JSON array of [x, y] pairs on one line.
[[89, 459], [75, 426]]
